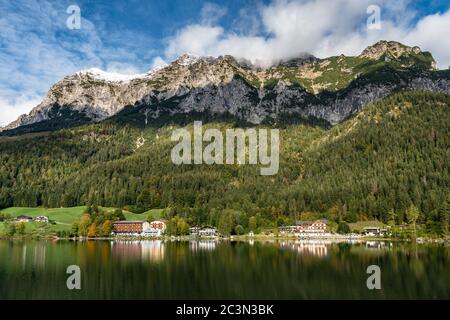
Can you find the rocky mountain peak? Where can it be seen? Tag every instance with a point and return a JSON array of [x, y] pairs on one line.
[[392, 48], [187, 59]]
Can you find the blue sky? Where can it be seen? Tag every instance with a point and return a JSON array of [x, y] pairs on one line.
[[37, 49]]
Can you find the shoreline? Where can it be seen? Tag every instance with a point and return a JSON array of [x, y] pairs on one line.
[[244, 238]]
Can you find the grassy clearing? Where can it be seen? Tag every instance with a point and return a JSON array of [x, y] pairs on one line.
[[64, 217], [358, 226], [61, 215], [156, 213]]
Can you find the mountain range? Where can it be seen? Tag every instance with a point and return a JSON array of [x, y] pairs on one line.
[[301, 89]]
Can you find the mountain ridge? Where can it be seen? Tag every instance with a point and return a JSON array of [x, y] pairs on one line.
[[329, 89]]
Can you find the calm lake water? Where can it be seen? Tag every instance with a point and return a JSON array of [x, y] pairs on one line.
[[222, 270]]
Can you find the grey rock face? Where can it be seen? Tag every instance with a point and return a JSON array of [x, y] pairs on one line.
[[254, 106]]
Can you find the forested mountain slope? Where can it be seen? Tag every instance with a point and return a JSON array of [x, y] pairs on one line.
[[394, 153]]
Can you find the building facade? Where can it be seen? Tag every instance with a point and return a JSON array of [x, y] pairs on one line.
[[305, 227], [130, 228], [139, 228], [317, 226], [207, 231], [156, 229]]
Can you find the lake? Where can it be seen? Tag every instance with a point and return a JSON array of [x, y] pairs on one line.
[[223, 270]]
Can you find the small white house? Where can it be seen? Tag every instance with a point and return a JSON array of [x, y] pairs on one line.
[[374, 232], [23, 219], [193, 231], [207, 232], [41, 219]]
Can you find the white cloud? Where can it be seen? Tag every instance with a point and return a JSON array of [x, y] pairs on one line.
[[11, 110], [194, 39], [431, 33], [122, 68], [323, 28], [158, 62]]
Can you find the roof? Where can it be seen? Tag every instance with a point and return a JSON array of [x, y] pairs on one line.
[[158, 221]]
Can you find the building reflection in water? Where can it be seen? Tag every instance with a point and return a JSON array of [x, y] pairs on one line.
[[39, 255], [202, 245], [33, 254], [152, 250], [377, 245], [318, 248]]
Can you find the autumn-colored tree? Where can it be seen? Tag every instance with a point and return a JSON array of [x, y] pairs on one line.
[[84, 224], [106, 228], [92, 231]]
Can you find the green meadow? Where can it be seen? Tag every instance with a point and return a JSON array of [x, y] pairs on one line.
[[63, 217]]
